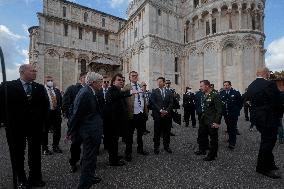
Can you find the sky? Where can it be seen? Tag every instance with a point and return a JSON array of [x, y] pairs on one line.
[[16, 16]]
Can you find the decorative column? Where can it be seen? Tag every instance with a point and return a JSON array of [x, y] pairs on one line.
[[219, 19], [76, 69], [229, 12], [249, 17], [210, 22], [61, 72], [220, 68], [201, 66], [240, 16], [240, 69], [199, 26]]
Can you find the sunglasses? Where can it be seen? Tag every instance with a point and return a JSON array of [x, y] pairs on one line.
[[49, 80], [106, 81]]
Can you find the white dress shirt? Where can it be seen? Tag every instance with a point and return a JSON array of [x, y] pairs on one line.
[[137, 107]]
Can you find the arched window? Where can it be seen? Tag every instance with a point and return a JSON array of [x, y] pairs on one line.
[[85, 17], [64, 11], [103, 22], [83, 66]]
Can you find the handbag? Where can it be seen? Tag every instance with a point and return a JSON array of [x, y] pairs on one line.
[[176, 117]]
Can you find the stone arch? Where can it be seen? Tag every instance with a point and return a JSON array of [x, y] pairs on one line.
[[209, 46], [69, 54], [249, 41], [52, 63], [229, 40], [68, 69]]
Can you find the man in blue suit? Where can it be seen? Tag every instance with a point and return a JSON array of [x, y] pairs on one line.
[[87, 121], [232, 100]]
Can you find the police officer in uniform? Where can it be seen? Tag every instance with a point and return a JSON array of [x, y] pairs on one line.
[[189, 107], [232, 100], [209, 122]]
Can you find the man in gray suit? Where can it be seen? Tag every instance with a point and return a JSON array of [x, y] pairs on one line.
[[86, 121], [162, 104]]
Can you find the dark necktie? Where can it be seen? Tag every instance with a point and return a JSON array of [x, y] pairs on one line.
[[29, 90], [163, 93], [139, 100]]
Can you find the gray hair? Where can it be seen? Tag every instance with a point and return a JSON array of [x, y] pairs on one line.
[[23, 67], [93, 76]]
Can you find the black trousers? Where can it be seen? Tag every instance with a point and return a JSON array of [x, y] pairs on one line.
[[112, 146], [203, 132], [89, 159], [162, 127], [137, 123], [17, 140], [189, 112], [231, 123], [75, 149], [54, 121], [265, 160], [246, 111]]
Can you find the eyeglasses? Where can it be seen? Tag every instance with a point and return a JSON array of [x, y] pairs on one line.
[[106, 82], [134, 75], [49, 80]]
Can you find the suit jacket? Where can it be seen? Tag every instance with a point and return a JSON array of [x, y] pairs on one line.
[[232, 102], [23, 113], [158, 103], [212, 109], [265, 103], [130, 102], [68, 99], [87, 114], [115, 111]]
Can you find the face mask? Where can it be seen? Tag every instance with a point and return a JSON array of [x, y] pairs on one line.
[[49, 84]]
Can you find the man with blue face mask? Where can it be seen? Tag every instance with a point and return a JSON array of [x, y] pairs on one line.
[[54, 117]]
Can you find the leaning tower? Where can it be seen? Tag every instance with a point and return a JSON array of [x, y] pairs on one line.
[[224, 40]]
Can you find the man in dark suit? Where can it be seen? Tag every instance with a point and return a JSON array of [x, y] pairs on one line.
[[232, 100], [67, 109], [265, 113], [115, 118], [87, 121], [27, 110], [209, 121], [162, 105], [54, 117], [189, 107]]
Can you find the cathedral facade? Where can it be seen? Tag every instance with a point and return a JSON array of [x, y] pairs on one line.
[[184, 41]]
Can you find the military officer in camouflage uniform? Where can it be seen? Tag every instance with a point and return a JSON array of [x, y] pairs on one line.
[[210, 120]]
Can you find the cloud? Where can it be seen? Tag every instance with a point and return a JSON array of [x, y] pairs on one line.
[[275, 55], [13, 53], [117, 3]]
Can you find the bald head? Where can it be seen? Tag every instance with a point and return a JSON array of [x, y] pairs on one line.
[[263, 72], [27, 72]]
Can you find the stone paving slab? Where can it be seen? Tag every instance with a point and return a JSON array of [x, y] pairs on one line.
[[182, 169]]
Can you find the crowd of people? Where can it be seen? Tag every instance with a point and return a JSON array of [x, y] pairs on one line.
[[101, 110]]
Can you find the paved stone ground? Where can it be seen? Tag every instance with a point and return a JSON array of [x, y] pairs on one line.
[[182, 169]]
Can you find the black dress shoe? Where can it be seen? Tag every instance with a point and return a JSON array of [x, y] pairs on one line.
[[23, 185], [156, 151], [73, 168], [36, 182], [128, 157], [231, 147], [193, 126], [270, 174], [46, 152], [96, 180], [209, 158], [200, 152], [56, 149], [118, 163], [142, 152], [168, 150], [238, 133], [172, 134]]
